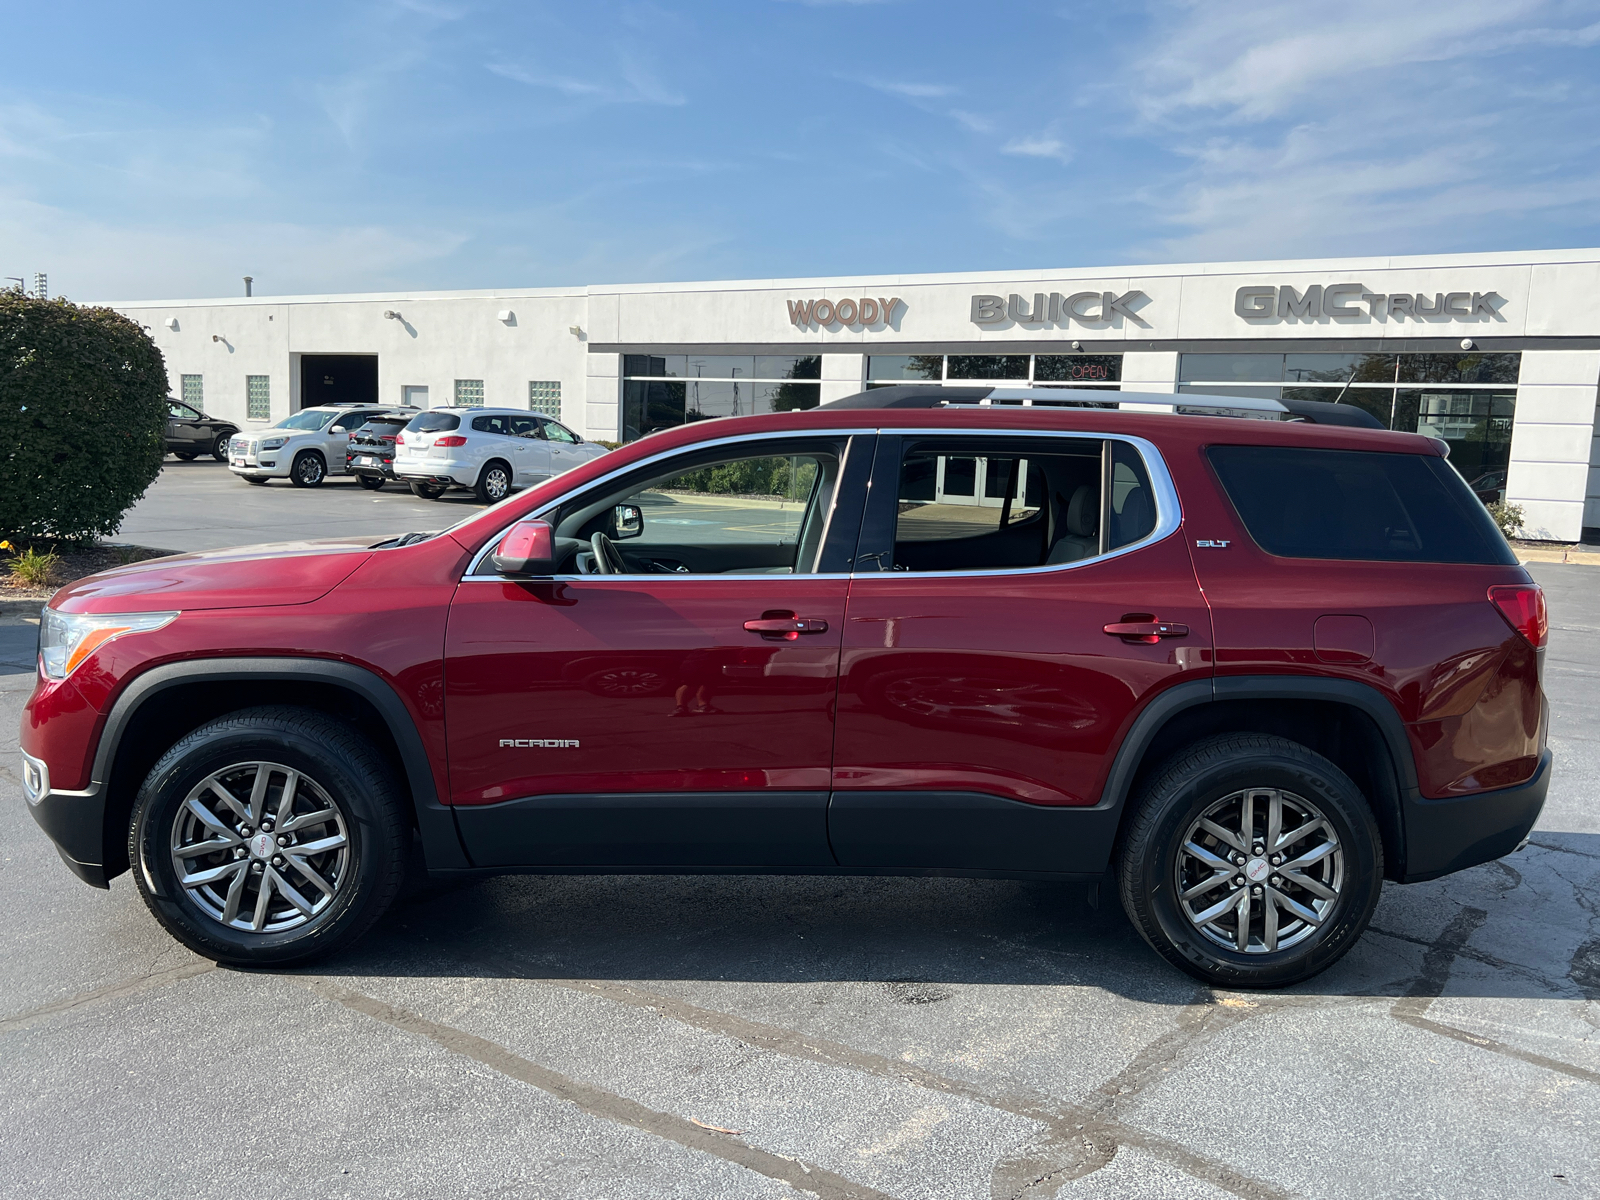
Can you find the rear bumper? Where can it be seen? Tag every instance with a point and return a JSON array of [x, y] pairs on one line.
[[1443, 836]]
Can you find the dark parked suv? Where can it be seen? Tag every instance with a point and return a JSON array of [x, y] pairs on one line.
[[1251, 667]]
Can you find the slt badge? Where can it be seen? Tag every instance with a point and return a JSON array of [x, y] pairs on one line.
[[1210, 544]]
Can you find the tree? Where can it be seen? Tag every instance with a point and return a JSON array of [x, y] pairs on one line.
[[82, 418]]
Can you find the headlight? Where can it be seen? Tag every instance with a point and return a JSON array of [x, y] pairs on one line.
[[274, 443], [66, 639]]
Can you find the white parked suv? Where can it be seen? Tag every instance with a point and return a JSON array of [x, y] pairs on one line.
[[493, 451], [304, 448]]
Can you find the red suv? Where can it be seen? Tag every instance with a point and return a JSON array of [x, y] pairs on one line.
[[1252, 667]]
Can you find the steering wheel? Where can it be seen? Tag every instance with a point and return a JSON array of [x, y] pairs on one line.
[[607, 561]]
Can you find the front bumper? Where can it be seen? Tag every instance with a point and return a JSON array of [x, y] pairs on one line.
[[74, 821], [1443, 836]]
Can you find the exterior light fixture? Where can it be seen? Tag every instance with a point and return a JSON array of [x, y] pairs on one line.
[[216, 337], [1077, 345], [389, 314], [506, 316], [171, 323], [1466, 343], [575, 330]]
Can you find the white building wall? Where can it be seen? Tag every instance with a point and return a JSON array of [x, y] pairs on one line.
[[1552, 441]]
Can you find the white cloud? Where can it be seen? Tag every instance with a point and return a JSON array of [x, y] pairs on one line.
[[1038, 146], [971, 121], [912, 91], [640, 84]]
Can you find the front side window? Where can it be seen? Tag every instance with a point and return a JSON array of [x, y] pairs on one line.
[[753, 514], [558, 432], [182, 411], [1011, 503]]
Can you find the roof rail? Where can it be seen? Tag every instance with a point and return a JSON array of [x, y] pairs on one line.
[[1183, 403]]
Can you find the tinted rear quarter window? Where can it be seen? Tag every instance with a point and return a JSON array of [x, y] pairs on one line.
[[1298, 502]]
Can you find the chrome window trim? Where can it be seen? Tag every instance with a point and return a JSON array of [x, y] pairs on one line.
[[1169, 511]]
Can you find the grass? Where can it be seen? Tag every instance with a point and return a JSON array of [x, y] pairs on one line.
[[30, 568]]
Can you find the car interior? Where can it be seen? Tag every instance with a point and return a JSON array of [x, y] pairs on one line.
[[967, 507], [764, 514]]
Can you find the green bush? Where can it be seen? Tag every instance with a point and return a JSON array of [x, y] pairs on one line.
[[82, 418], [1507, 516]]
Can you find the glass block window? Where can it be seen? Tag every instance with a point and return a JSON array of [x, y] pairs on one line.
[[258, 397], [469, 392], [194, 391], [544, 396]]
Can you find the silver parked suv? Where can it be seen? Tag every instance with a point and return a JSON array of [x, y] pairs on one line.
[[304, 448], [493, 451]]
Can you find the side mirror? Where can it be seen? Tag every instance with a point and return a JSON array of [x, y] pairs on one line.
[[627, 521], [528, 548]]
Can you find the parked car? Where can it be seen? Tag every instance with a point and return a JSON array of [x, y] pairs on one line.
[[304, 448], [369, 455], [191, 433], [1490, 487], [493, 451], [1248, 670]]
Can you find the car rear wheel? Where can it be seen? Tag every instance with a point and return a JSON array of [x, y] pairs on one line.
[[428, 491], [1251, 862], [186, 455], [494, 484], [371, 482], [269, 836], [219, 448], [308, 470], [258, 480]]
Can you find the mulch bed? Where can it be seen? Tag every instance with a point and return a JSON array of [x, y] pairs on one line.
[[74, 564]]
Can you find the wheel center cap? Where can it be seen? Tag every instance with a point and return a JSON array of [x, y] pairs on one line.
[[1257, 869], [263, 845]]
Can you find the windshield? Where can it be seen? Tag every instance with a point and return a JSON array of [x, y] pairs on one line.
[[309, 419], [434, 422]]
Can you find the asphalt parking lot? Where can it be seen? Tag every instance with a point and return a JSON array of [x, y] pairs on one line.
[[752, 1037]]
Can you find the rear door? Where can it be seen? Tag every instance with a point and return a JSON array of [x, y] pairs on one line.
[[677, 714], [1032, 593]]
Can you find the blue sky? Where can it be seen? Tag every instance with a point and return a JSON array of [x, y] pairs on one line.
[[165, 151]]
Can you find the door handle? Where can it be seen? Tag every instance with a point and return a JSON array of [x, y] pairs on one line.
[[785, 627], [1148, 631]]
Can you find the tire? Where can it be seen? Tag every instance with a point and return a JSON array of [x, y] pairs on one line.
[[339, 772], [1211, 779], [371, 482], [494, 482], [219, 448], [308, 470], [258, 480], [428, 491], [186, 455]]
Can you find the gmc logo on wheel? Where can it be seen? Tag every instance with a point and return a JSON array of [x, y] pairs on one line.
[[538, 743]]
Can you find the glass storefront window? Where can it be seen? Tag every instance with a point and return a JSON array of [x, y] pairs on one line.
[[1460, 367], [987, 366], [1476, 424], [1338, 368], [1225, 368], [792, 366], [888, 368], [1077, 368]]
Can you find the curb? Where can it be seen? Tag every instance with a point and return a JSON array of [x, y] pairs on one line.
[[31, 606], [1576, 558]]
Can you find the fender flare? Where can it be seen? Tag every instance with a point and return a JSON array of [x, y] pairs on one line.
[[1362, 697], [436, 824]]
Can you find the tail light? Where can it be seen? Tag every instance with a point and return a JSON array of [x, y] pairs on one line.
[[1522, 605], [399, 439], [387, 438], [453, 440]]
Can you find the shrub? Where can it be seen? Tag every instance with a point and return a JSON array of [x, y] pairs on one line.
[[82, 418], [1507, 516], [31, 568]]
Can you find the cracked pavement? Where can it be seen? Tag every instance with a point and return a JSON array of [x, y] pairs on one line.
[[755, 1037]]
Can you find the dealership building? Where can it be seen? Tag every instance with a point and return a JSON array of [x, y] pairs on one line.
[[1499, 354]]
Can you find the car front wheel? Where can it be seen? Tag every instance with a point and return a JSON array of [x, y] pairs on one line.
[[268, 836], [1251, 861], [427, 491], [308, 470], [219, 448], [371, 482]]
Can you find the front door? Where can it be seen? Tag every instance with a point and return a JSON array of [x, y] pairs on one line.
[[667, 701], [1033, 592]]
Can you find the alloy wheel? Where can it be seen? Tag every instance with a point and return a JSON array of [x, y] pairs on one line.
[[261, 847], [308, 469], [496, 483], [1260, 871]]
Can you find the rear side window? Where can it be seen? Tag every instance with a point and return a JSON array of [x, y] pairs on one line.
[[489, 425], [434, 422], [1357, 504]]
